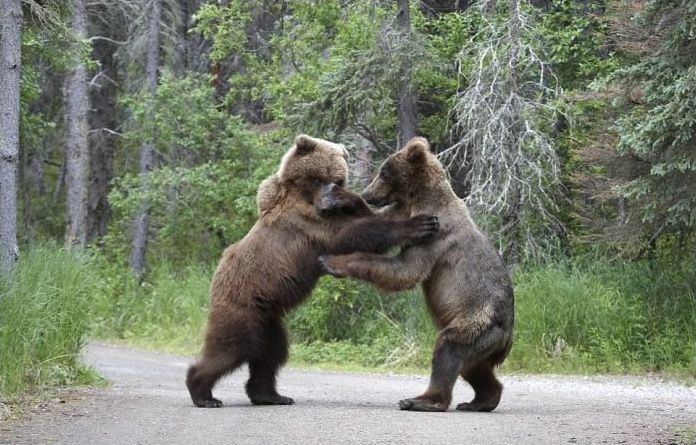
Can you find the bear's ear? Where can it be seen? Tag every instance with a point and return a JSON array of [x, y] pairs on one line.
[[416, 150], [304, 144]]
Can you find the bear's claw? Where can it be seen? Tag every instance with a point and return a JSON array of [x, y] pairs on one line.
[[208, 403], [323, 262], [417, 404]]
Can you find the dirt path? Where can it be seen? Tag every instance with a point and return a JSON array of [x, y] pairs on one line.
[[148, 404]]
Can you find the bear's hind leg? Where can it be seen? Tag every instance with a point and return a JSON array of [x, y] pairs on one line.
[[487, 350], [202, 376], [488, 389], [446, 364], [264, 365]]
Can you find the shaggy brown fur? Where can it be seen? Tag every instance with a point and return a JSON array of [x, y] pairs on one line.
[[467, 286], [304, 213]]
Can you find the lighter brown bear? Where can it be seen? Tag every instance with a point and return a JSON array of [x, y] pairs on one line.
[[467, 287], [303, 213]]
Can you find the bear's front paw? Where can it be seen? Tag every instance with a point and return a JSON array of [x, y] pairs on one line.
[[331, 265], [422, 227]]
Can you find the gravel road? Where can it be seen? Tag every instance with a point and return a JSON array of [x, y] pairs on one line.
[[147, 403]]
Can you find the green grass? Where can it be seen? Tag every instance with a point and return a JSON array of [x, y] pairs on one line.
[[587, 317], [598, 317], [44, 315], [167, 312]]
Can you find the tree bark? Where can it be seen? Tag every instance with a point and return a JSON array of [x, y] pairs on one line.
[[77, 143], [407, 119], [10, 66], [434, 7], [102, 119], [363, 162], [142, 220]]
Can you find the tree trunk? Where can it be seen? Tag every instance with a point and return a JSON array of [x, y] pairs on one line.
[[10, 55], [77, 144], [363, 162], [142, 219], [511, 227], [405, 100], [102, 119]]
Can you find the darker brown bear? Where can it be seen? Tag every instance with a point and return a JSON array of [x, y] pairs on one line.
[[467, 286], [304, 212]]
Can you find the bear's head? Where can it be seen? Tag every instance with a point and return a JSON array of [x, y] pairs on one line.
[[315, 170], [406, 175], [312, 162]]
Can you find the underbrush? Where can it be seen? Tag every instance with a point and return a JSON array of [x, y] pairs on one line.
[[587, 317], [601, 317], [582, 317], [167, 311], [44, 316]]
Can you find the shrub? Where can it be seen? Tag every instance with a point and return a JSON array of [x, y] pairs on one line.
[[168, 310], [44, 315]]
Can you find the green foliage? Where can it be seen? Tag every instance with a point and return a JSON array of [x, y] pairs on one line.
[[189, 125], [206, 202], [49, 48], [603, 317], [349, 87], [225, 26], [350, 310], [660, 131], [167, 310], [296, 57], [350, 322], [577, 41], [44, 316], [331, 68], [435, 78], [593, 316], [354, 89]]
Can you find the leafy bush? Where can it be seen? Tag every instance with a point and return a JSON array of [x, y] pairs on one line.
[[598, 316], [591, 316], [205, 198], [44, 315], [346, 321], [168, 310]]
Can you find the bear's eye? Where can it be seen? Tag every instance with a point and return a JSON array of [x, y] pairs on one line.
[[384, 174]]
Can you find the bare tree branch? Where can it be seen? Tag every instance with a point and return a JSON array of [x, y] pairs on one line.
[[504, 101]]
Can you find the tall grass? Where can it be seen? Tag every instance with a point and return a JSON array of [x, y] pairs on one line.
[[167, 311], [44, 315], [346, 322], [586, 316], [603, 317]]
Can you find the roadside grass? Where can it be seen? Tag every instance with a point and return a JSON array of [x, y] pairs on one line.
[[596, 317], [44, 316], [166, 312], [686, 434], [590, 316]]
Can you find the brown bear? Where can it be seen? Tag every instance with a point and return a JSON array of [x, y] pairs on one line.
[[303, 213], [467, 287]]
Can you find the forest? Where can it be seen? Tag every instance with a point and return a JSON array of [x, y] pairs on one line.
[[134, 134]]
